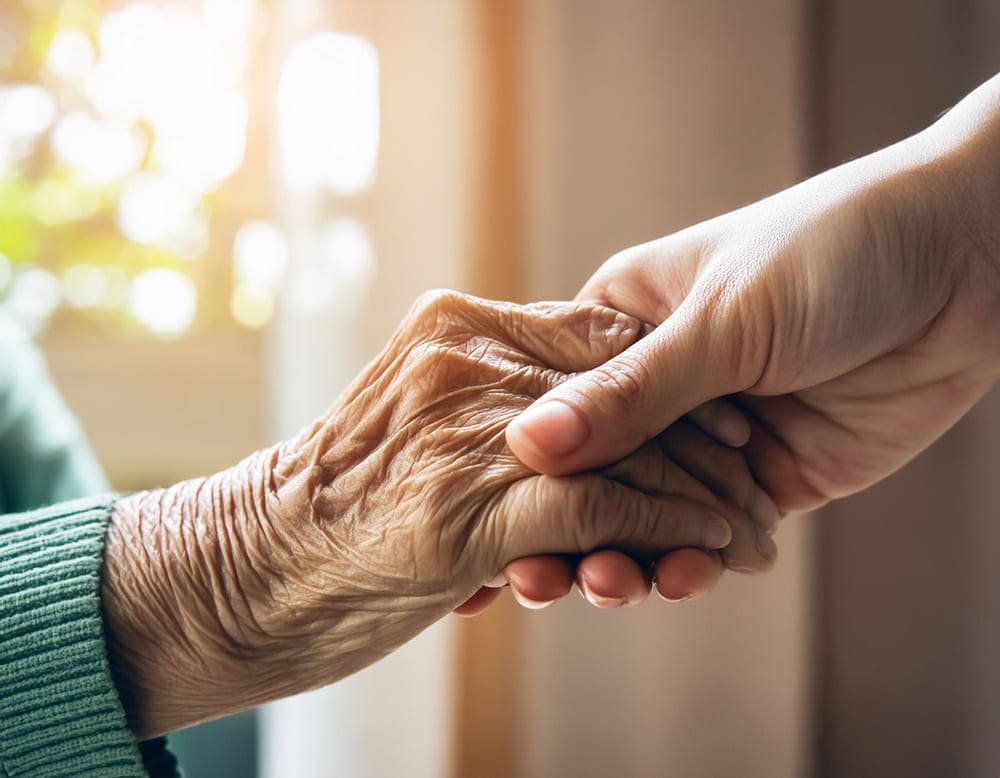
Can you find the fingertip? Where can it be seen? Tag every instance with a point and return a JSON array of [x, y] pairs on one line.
[[763, 510], [547, 432], [754, 553], [723, 421], [766, 545], [612, 579], [539, 579], [686, 574], [528, 603], [478, 602], [600, 600], [716, 533]]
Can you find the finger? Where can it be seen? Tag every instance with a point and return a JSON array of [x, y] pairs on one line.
[[537, 582], [723, 421], [686, 574], [657, 472], [610, 579], [580, 513], [601, 415], [772, 462], [566, 336], [722, 469], [569, 337], [478, 602]]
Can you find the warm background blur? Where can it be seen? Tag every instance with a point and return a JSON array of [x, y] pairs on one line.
[[211, 213]]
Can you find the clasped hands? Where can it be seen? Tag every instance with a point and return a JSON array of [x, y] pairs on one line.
[[849, 321], [316, 557]]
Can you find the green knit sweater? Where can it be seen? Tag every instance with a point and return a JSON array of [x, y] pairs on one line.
[[60, 714]]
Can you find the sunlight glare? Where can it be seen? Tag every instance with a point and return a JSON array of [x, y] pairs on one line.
[[260, 253], [98, 152], [84, 285], [70, 56], [25, 112], [163, 300], [204, 144], [340, 274], [33, 297], [5, 271], [252, 305], [159, 211], [328, 114]]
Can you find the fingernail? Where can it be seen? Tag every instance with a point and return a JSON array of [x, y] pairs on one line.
[[599, 600], [766, 545], [763, 510], [732, 429], [524, 602], [553, 428], [683, 598], [716, 534]]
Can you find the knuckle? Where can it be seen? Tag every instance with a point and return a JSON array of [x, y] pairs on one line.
[[645, 530], [587, 513], [603, 330], [437, 308], [616, 329]]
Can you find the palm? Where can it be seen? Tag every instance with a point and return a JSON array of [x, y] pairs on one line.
[[850, 431]]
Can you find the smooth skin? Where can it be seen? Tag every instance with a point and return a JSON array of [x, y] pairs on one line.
[[854, 317]]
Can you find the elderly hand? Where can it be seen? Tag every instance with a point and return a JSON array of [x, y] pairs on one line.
[[315, 558], [854, 316], [692, 452]]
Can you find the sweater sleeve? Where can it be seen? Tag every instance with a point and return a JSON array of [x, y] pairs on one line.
[[60, 714]]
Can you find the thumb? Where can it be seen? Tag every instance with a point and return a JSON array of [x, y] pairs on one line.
[[599, 416]]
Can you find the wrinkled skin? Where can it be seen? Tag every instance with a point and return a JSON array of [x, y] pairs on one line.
[[855, 317], [314, 558]]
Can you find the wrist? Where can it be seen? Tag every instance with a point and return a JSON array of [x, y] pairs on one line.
[[182, 595], [938, 192], [964, 149], [227, 592]]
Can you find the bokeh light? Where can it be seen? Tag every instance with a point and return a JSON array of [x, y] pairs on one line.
[[260, 254], [159, 211], [252, 305], [84, 285], [163, 300], [328, 114], [203, 145], [70, 56], [98, 152], [124, 131], [5, 271], [348, 253], [56, 202], [33, 297], [26, 111], [340, 273]]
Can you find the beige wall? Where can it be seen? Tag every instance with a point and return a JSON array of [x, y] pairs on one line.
[[157, 413], [911, 630]]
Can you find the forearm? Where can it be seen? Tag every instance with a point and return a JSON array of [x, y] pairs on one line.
[[205, 613], [175, 606]]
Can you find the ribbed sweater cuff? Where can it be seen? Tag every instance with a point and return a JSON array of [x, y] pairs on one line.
[[59, 711]]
